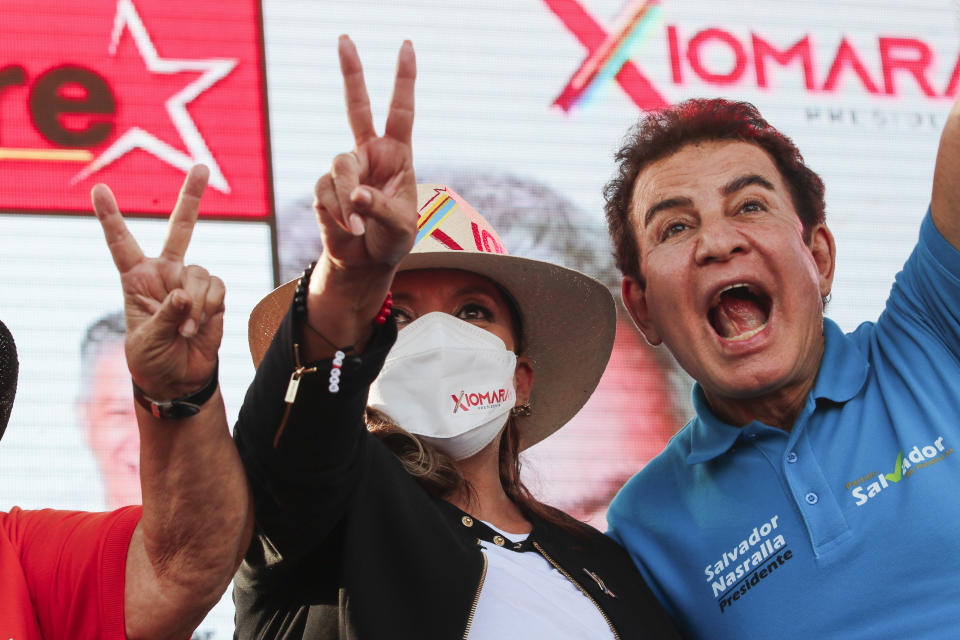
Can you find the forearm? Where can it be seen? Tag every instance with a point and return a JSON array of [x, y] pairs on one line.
[[300, 481], [945, 203], [196, 524], [341, 305]]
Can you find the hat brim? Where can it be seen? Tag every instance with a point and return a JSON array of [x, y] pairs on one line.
[[568, 320]]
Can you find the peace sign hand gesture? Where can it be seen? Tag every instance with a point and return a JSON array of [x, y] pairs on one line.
[[367, 204], [174, 313]]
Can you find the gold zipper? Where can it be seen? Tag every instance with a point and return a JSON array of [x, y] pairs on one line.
[[476, 598], [577, 584]]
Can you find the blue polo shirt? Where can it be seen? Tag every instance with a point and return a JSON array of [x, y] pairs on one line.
[[846, 527]]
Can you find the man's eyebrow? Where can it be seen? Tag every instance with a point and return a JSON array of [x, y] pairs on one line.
[[669, 203], [728, 189], [745, 181]]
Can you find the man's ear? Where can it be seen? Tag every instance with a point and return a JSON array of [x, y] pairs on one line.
[[523, 379], [635, 300], [824, 251]]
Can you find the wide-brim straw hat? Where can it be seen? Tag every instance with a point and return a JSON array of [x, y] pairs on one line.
[[568, 319]]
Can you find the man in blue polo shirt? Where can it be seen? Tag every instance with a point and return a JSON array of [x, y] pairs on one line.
[[814, 493]]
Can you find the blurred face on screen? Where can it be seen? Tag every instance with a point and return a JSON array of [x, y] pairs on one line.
[[110, 426], [626, 422]]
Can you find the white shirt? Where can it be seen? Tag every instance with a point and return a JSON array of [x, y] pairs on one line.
[[524, 597]]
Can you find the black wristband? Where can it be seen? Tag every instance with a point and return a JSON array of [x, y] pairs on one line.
[[182, 407]]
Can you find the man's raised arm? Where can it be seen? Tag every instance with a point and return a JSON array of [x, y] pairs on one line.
[[945, 203], [197, 518]]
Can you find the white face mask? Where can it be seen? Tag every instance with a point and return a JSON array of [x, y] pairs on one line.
[[449, 382]]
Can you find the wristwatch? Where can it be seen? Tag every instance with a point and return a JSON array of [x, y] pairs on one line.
[[182, 407]]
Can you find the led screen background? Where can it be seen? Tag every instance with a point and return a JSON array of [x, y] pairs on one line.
[[864, 96]]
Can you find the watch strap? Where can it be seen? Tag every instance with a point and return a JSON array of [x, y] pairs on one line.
[[182, 407]]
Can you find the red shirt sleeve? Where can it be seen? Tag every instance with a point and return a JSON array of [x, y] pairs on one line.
[[74, 564]]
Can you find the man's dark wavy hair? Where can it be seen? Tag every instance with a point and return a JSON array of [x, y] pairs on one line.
[[662, 133], [9, 368]]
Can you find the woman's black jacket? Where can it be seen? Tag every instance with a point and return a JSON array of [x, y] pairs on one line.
[[347, 544]]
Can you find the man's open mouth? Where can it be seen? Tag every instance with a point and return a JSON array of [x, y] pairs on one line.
[[739, 312]]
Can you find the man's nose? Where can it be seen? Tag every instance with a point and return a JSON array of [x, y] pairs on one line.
[[719, 240]]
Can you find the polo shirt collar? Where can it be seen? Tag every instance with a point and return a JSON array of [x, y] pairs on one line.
[[844, 368], [710, 436], [843, 372]]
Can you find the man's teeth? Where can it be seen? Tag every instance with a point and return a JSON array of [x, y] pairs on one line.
[[738, 285], [747, 334], [735, 286]]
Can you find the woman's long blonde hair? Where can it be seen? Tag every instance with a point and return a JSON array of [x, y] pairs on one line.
[[439, 476]]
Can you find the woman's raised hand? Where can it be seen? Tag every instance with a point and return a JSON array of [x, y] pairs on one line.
[[367, 204]]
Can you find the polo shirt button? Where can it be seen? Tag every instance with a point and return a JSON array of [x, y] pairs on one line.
[[812, 498], [467, 521], [791, 457], [752, 436]]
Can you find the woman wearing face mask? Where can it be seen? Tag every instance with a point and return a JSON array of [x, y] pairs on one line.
[[386, 480]]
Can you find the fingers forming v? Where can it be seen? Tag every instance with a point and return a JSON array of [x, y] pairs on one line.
[[400, 117], [185, 214], [123, 246], [355, 92]]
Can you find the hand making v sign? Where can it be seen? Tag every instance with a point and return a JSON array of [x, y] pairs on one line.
[[174, 312], [366, 206]]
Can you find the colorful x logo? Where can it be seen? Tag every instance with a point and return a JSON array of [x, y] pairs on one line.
[[460, 403], [607, 53]]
